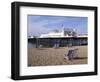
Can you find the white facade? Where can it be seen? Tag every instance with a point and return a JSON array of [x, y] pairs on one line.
[[82, 35], [52, 34], [59, 33]]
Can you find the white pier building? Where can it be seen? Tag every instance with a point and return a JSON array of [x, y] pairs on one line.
[[65, 32]]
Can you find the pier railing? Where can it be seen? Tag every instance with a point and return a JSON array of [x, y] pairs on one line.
[[62, 42]]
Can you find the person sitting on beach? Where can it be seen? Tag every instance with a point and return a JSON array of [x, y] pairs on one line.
[[71, 54]]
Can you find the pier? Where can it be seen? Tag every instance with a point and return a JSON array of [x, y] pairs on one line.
[[62, 42]]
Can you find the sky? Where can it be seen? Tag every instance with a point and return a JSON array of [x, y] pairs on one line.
[[40, 24]]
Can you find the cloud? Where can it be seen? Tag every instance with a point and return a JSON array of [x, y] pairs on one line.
[[43, 24], [36, 28]]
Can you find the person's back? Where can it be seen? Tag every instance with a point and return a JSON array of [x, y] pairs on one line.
[[70, 54]]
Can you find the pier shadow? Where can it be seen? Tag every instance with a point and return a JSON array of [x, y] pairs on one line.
[[77, 58], [40, 49]]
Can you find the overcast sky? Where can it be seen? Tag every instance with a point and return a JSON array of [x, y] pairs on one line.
[[38, 24]]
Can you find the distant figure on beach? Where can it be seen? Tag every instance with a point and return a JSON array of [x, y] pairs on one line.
[[40, 46], [72, 53], [56, 46]]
